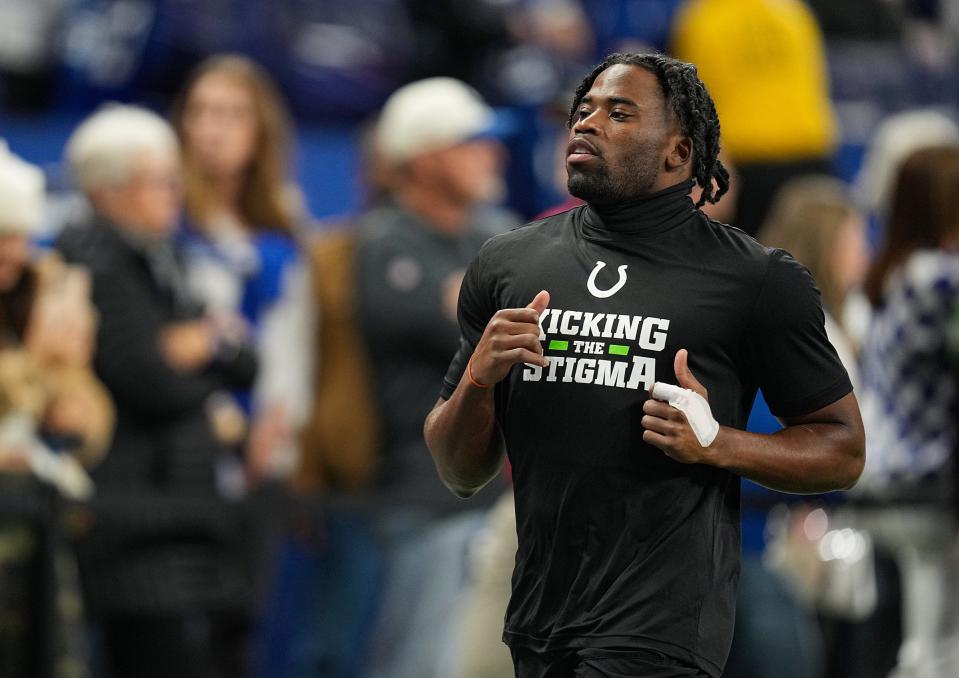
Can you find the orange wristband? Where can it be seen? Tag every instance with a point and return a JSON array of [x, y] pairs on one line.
[[469, 375]]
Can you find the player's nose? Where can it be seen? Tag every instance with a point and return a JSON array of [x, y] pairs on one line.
[[588, 124]]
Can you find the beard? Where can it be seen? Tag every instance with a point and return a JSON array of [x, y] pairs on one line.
[[602, 186]]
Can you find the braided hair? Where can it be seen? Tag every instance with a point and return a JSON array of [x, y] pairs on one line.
[[688, 99]]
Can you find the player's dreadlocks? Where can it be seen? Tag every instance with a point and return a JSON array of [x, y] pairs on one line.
[[687, 97]]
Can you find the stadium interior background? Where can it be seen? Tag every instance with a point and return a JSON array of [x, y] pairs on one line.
[[336, 62]]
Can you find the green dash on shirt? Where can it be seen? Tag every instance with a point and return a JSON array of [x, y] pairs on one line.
[[558, 345], [618, 349]]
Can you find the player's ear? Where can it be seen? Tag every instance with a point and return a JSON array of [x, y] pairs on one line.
[[680, 153]]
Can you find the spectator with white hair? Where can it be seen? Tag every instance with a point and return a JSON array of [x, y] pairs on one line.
[[160, 565]]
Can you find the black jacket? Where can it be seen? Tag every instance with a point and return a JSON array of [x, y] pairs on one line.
[[161, 540]]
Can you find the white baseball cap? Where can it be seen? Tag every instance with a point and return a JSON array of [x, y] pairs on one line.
[[430, 115], [22, 194]]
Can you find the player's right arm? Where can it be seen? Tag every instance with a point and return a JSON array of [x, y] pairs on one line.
[[461, 433]]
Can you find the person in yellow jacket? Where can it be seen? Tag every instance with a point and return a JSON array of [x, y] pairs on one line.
[[764, 63]]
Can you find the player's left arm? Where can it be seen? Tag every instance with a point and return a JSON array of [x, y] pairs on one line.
[[817, 452]]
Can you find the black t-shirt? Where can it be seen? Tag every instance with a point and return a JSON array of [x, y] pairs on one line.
[[620, 546], [403, 270]]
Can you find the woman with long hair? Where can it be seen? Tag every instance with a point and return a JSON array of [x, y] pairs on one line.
[[815, 219], [240, 244], [910, 405]]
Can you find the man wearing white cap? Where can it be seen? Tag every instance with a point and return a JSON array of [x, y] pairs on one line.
[[47, 321], [443, 171], [49, 398], [21, 206]]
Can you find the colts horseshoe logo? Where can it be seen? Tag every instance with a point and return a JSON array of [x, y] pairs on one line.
[[603, 294]]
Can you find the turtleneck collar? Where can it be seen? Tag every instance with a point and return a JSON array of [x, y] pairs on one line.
[[649, 215]]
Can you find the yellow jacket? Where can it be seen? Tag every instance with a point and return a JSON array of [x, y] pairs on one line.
[[763, 62]]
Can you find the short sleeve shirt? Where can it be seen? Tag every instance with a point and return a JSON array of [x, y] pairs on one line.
[[619, 545]]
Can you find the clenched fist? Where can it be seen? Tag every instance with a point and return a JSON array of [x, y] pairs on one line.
[[511, 337]]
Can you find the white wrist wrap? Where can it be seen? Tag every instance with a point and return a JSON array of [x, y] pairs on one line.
[[694, 406]]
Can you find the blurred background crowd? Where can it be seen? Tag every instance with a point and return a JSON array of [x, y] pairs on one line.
[[232, 235]]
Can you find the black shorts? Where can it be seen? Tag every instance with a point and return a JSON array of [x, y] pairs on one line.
[[594, 663]]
